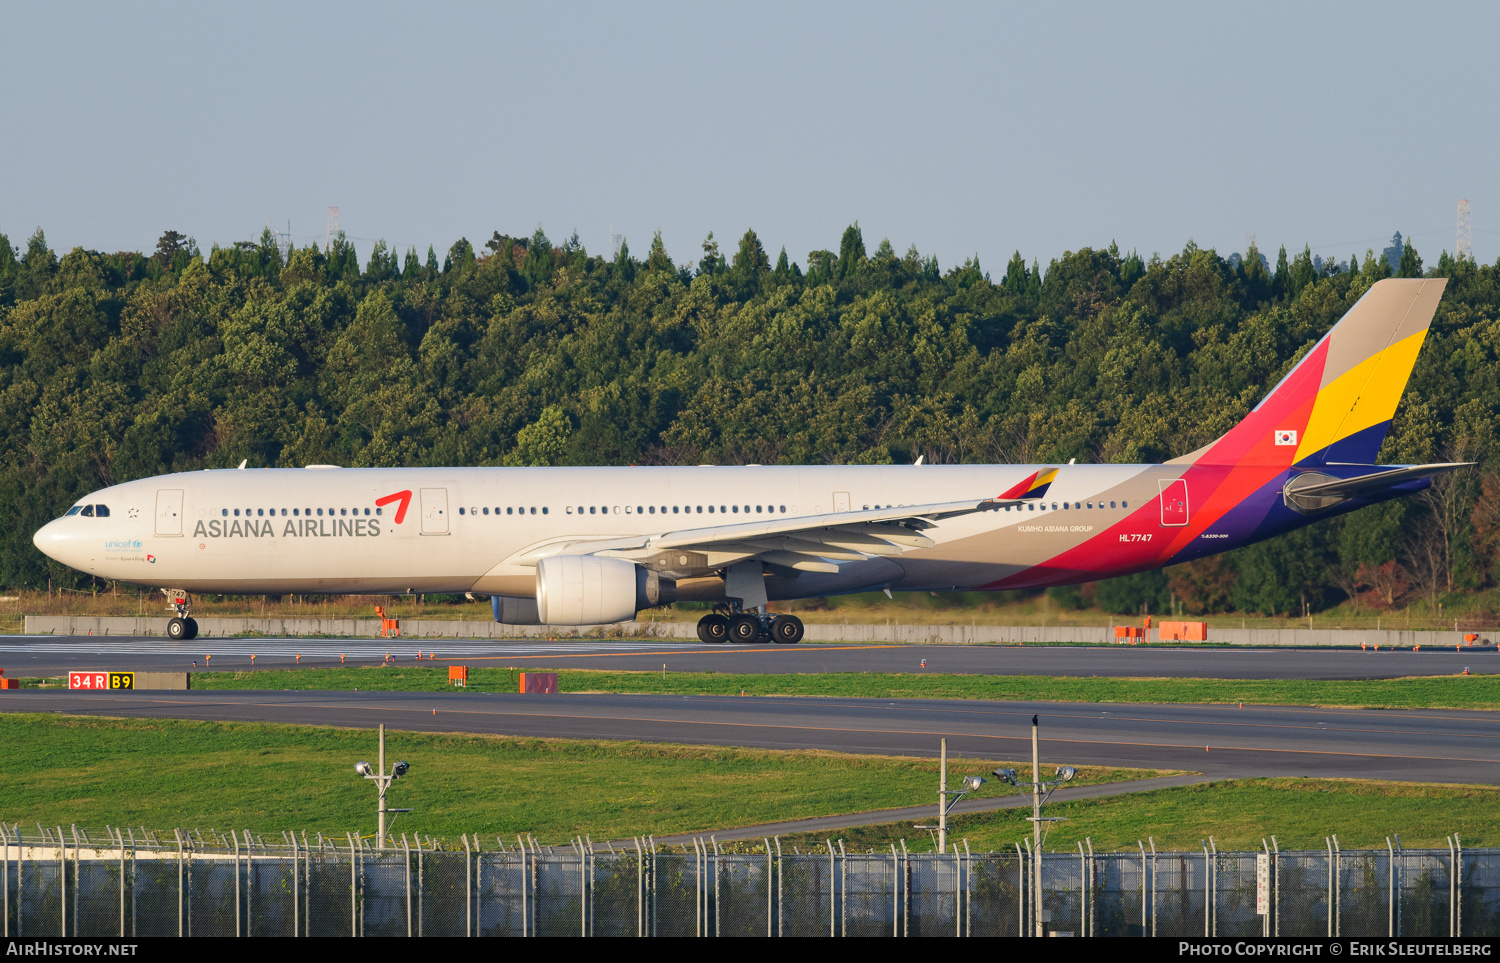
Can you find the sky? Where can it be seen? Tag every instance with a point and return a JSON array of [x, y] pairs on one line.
[[962, 129]]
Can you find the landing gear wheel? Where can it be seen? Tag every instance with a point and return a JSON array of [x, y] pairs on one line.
[[786, 630], [713, 629], [177, 630], [192, 628], [744, 628]]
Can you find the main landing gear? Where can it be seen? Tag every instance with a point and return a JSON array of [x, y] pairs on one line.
[[735, 625], [182, 628]]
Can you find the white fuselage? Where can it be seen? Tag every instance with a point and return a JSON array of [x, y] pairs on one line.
[[478, 530]]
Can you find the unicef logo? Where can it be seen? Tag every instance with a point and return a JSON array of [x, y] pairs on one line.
[[123, 545]]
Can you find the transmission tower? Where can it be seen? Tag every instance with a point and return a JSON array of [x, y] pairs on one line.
[[614, 241], [1465, 247], [333, 228]]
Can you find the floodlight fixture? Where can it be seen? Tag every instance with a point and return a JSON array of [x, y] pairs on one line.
[[972, 783], [363, 768], [1066, 773], [400, 769], [1006, 775]]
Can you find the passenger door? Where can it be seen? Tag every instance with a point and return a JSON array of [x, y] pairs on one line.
[[1174, 502], [169, 512], [841, 501], [434, 511]]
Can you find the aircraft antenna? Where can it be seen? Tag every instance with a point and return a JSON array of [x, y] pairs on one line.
[[1465, 246]]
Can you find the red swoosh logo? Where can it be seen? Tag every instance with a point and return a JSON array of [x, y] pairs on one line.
[[403, 497]]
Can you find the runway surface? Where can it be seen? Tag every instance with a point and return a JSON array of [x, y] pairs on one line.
[[53, 655], [1419, 745]]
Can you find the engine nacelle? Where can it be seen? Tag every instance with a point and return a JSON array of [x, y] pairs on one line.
[[593, 590]]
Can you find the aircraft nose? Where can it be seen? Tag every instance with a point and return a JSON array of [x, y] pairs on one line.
[[52, 541]]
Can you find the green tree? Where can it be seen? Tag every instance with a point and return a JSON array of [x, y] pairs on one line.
[[542, 442]]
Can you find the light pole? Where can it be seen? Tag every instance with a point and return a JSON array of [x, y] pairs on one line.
[[383, 782], [945, 806], [1038, 788]]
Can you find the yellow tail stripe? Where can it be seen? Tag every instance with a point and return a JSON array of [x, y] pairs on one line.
[[1362, 397]]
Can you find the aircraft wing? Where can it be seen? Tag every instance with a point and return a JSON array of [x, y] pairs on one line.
[[805, 543]]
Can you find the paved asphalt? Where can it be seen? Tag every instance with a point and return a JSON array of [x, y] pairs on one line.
[[1227, 741], [48, 655]]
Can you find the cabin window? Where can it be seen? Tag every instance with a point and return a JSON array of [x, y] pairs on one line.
[[1124, 504], [544, 509], [485, 510], [637, 509], [1111, 504], [222, 511], [460, 509], [783, 509]]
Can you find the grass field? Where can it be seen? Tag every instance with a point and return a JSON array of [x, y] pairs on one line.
[[1238, 814], [1429, 692], [167, 773]]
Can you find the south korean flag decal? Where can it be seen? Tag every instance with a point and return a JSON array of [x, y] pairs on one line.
[[1286, 436]]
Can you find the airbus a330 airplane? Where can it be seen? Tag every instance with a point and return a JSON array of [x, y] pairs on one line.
[[587, 546]]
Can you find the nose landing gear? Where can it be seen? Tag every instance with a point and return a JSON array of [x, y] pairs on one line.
[[182, 628], [733, 624]]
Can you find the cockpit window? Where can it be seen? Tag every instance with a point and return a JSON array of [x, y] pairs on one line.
[[88, 511], [101, 511], [74, 510]]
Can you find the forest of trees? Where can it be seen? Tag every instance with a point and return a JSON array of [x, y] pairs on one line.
[[525, 352]]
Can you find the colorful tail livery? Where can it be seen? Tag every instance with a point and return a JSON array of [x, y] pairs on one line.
[[1306, 451], [1336, 405]]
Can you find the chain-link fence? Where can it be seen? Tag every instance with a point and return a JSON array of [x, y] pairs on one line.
[[57, 882]]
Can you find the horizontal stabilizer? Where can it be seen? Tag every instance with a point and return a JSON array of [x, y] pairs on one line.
[[1369, 484]]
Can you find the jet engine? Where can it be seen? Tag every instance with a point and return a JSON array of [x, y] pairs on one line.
[[594, 589]]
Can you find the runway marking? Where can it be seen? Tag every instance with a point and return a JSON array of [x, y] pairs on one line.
[[805, 728]]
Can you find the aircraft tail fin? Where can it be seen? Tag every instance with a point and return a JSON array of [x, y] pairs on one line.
[[1336, 405]]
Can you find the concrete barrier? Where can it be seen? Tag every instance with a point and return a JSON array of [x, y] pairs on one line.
[[414, 629]]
